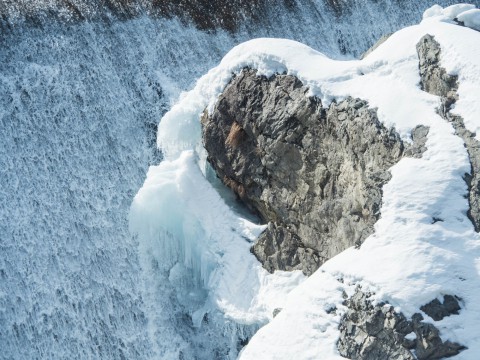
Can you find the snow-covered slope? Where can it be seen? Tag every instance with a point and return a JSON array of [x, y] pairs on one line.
[[407, 262]]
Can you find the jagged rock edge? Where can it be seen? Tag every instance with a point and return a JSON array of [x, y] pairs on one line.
[[435, 80], [371, 331]]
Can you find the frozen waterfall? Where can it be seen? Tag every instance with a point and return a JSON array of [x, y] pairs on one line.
[[79, 108]]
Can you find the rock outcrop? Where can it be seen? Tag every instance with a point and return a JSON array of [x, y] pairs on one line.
[[376, 331], [372, 332], [437, 310], [436, 81], [313, 173]]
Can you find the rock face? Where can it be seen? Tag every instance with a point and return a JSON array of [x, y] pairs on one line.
[[437, 310], [371, 332], [378, 332], [315, 174], [436, 81]]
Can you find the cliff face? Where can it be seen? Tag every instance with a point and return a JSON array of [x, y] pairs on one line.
[[314, 173]]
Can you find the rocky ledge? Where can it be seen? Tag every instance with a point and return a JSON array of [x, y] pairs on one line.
[[314, 173], [373, 332]]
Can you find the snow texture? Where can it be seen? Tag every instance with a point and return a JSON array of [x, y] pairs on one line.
[[407, 252]]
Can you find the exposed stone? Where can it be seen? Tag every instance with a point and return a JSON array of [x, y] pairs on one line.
[[314, 174], [437, 310], [369, 332], [429, 345], [276, 311], [419, 139], [435, 80], [372, 332]]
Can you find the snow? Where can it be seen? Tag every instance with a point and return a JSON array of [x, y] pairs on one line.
[[407, 262], [410, 336], [467, 14], [198, 231], [463, 57], [470, 18], [451, 12], [303, 329]]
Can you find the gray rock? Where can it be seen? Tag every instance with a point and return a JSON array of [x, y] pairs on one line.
[[437, 310], [369, 332], [419, 139], [429, 345], [372, 332], [435, 80], [314, 174]]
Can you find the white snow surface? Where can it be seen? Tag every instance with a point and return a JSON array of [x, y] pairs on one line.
[[407, 262], [470, 18], [468, 14]]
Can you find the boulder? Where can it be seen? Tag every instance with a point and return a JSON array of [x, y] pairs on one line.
[[313, 173]]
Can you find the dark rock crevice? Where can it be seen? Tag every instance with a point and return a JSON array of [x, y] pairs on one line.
[[313, 173], [436, 81]]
